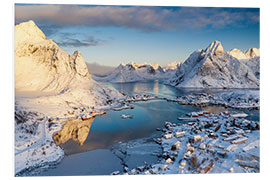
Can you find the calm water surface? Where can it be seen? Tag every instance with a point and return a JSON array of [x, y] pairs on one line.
[[110, 129]]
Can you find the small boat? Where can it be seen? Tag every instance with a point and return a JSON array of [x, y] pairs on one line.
[[200, 113], [227, 113], [239, 115], [124, 116], [145, 99], [194, 114]]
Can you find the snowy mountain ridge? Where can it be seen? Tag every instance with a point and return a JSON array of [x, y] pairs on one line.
[[132, 72], [214, 48], [41, 66], [214, 68], [250, 53], [28, 31]]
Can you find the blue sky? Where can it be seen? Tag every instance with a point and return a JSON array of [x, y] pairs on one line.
[[111, 35]]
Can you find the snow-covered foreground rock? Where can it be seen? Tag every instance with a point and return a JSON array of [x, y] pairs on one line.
[[213, 143], [215, 68], [133, 72], [49, 83]]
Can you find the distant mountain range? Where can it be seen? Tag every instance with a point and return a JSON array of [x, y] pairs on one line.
[[40, 65], [205, 68], [132, 72]]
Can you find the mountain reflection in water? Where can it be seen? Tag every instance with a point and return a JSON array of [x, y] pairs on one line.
[[75, 129]]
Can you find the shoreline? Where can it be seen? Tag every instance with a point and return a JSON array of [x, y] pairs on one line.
[[210, 145], [120, 104]]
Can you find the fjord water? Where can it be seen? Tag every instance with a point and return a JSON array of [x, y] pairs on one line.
[[94, 156]]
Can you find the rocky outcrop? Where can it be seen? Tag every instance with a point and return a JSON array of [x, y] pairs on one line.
[[79, 64]]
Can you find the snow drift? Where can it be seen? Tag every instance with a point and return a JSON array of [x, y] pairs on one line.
[[215, 68]]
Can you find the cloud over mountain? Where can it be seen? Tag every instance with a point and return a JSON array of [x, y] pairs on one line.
[[80, 43], [137, 17]]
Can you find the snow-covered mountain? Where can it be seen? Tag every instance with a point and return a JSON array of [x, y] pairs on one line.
[[172, 65], [250, 58], [132, 72], [249, 54], [41, 66], [214, 68]]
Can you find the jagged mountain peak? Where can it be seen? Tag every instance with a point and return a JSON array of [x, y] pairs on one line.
[[135, 65], [28, 31], [79, 64], [249, 54], [214, 48], [236, 53], [252, 52], [40, 65], [77, 53], [213, 68]]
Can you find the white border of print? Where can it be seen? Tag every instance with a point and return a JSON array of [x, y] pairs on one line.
[[7, 79]]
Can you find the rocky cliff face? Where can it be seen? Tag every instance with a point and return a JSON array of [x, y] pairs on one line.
[[214, 68]]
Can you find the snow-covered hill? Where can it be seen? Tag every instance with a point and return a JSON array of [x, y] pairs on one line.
[[42, 67], [214, 68], [132, 72]]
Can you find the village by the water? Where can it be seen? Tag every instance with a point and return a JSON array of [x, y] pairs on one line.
[[109, 115]]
